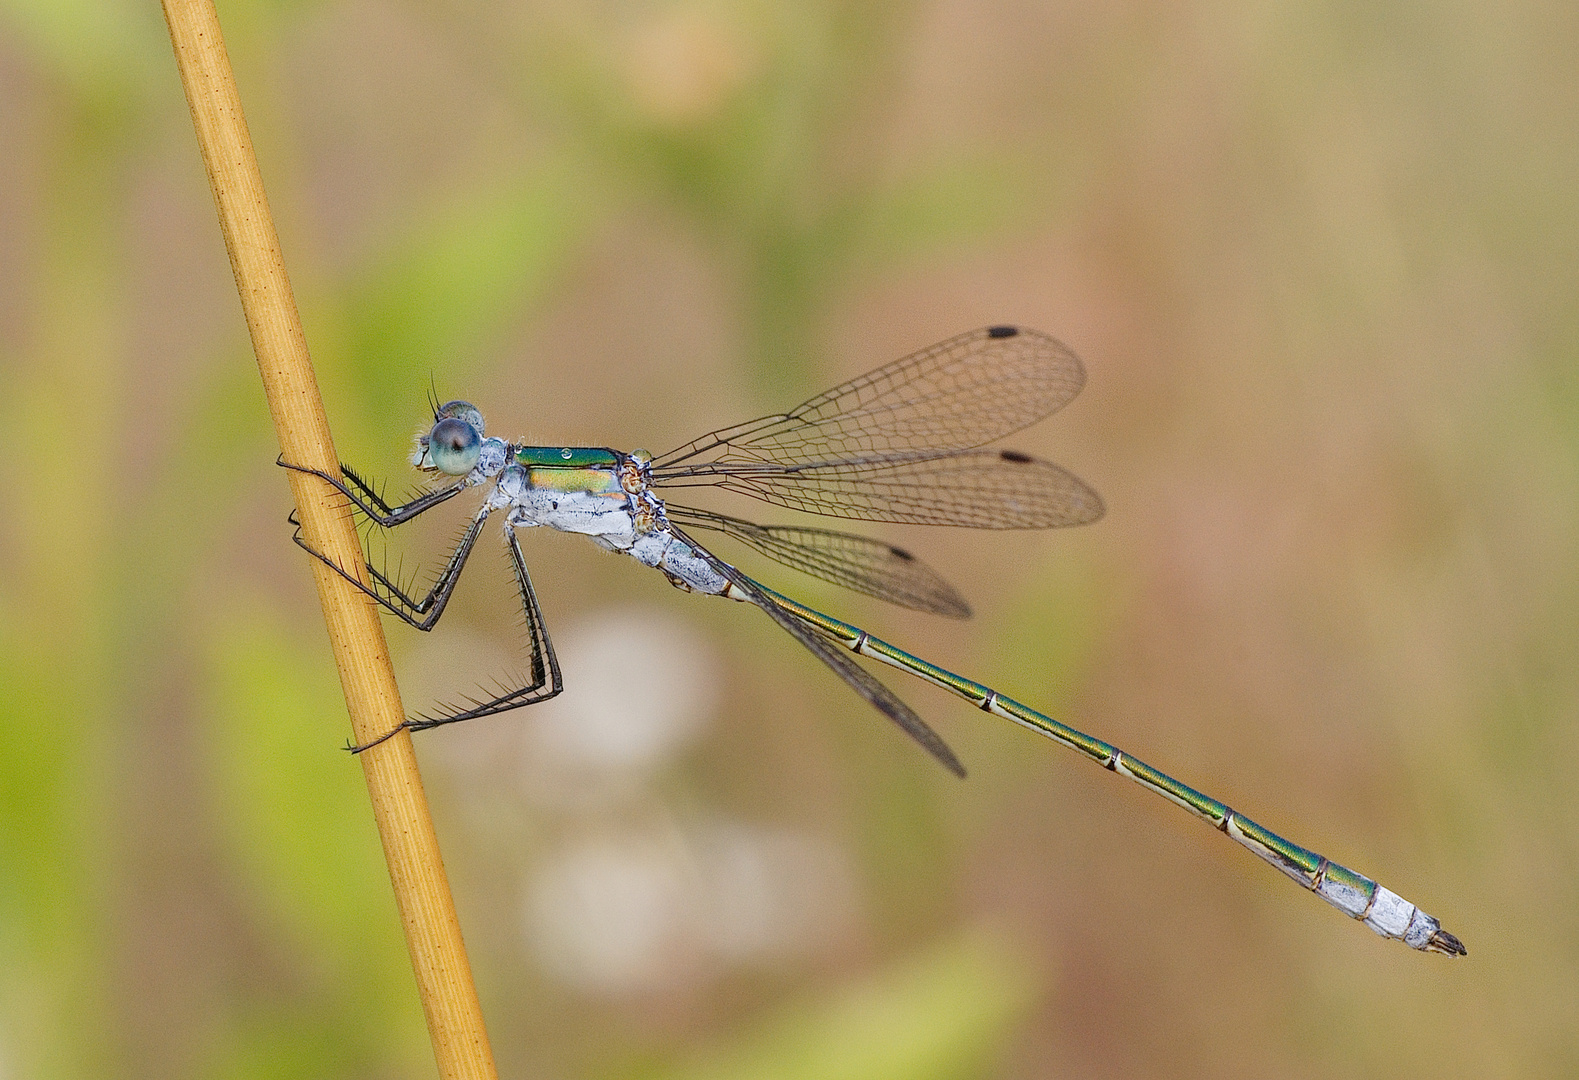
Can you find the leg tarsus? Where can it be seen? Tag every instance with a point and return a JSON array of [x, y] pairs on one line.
[[404, 725]]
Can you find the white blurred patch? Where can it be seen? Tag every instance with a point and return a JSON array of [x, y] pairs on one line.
[[640, 910], [605, 915], [639, 687], [769, 892], [617, 901]]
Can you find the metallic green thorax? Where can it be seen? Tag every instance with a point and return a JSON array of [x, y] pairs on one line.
[[591, 469], [566, 457]]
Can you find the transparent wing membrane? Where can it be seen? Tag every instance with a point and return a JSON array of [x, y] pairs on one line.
[[961, 393], [980, 489], [899, 443], [855, 562]]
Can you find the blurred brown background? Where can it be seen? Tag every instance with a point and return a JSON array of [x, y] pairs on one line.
[[1321, 262]]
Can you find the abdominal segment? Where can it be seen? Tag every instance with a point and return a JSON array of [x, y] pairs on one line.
[[679, 561]]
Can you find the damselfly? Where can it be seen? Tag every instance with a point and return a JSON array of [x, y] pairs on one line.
[[904, 443]]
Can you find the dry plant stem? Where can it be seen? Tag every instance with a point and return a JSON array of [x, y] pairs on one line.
[[449, 999]]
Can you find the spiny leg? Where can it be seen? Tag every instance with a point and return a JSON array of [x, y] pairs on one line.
[[545, 680], [367, 500], [395, 600], [438, 595]]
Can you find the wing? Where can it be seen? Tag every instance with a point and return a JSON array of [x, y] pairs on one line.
[[856, 562], [981, 489], [961, 393], [860, 680]]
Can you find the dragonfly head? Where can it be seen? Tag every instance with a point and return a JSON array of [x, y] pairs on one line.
[[454, 443]]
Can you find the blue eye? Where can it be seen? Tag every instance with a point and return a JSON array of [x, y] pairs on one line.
[[454, 446]]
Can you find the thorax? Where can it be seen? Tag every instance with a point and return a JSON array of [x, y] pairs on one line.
[[590, 490], [606, 495]]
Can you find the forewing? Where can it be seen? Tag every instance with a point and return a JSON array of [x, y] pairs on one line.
[[961, 393], [981, 489], [856, 562]]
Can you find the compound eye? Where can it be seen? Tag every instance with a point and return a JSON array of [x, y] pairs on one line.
[[454, 446], [460, 410]]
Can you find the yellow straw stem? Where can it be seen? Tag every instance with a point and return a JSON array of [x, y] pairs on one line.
[[411, 848]]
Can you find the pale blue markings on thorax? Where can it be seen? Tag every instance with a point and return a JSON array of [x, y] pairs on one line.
[[585, 500], [490, 461]]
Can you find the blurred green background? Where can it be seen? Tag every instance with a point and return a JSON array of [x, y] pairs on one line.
[[1322, 262]]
